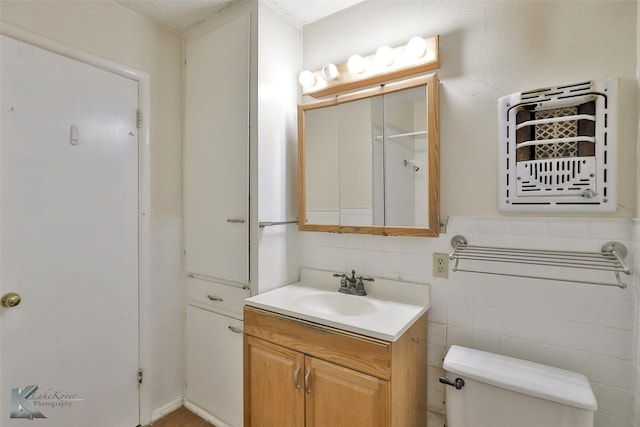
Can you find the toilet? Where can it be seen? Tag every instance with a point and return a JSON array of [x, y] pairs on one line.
[[490, 390]]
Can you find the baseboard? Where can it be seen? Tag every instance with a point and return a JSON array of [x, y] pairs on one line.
[[204, 414], [167, 408]]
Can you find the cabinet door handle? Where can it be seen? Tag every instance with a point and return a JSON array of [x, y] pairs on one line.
[[215, 298], [307, 381], [235, 220], [296, 378], [235, 329]]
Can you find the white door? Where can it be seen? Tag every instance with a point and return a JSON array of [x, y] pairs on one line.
[[69, 242]]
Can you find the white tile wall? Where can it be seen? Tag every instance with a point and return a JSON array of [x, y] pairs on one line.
[[585, 328], [167, 316]]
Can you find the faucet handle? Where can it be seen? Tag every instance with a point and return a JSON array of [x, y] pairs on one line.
[[359, 289], [343, 283]]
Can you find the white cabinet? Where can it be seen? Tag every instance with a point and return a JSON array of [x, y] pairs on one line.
[[216, 152], [216, 215], [214, 364]]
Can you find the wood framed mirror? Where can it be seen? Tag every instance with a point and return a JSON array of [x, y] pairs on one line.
[[369, 161]]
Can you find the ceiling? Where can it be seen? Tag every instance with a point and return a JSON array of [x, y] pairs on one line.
[[180, 15]]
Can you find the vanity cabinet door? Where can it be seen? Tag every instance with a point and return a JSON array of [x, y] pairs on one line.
[[342, 397], [289, 389], [274, 385]]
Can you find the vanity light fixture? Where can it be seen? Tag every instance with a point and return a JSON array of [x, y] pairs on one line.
[[418, 56]]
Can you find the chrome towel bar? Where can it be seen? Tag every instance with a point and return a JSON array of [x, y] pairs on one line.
[[271, 223], [610, 258]]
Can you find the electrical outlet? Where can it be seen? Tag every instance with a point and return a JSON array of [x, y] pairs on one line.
[[440, 265]]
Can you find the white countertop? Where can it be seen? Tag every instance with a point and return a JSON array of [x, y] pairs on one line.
[[388, 310]]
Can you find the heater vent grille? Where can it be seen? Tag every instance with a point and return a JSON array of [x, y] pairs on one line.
[[556, 176], [557, 148], [556, 130]]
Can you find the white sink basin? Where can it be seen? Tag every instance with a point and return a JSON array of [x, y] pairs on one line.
[[388, 310], [337, 303]]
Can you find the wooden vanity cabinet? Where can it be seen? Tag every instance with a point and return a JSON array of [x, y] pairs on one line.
[[298, 373]]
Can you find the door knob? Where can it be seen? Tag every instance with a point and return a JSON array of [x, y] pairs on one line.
[[10, 300]]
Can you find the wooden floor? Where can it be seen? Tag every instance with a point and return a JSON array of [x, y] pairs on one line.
[[181, 418]]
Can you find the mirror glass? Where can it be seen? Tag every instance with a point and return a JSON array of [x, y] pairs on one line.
[[369, 161]]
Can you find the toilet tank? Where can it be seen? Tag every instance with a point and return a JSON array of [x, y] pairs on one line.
[[501, 391]]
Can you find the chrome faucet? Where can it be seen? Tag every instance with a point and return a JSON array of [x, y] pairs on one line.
[[352, 285]]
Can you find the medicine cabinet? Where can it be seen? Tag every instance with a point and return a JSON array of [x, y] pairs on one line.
[[369, 160]]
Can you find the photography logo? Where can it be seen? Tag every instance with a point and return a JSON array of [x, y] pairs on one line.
[[21, 407], [26, 403]]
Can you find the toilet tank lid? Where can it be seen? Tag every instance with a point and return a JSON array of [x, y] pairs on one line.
[[534, 379]]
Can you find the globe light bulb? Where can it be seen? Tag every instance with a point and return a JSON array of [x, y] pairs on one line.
[[384, 56], [356, 64], [417, 47], [330, 71], [307, 79]]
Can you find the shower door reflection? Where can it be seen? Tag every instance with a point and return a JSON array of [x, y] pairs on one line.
[[405, 156]]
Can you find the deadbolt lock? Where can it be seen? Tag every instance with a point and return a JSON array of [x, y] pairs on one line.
[[10, 300]]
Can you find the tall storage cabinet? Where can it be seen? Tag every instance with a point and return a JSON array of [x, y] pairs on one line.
[[217, 216], [239, 169], [216, 153]]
